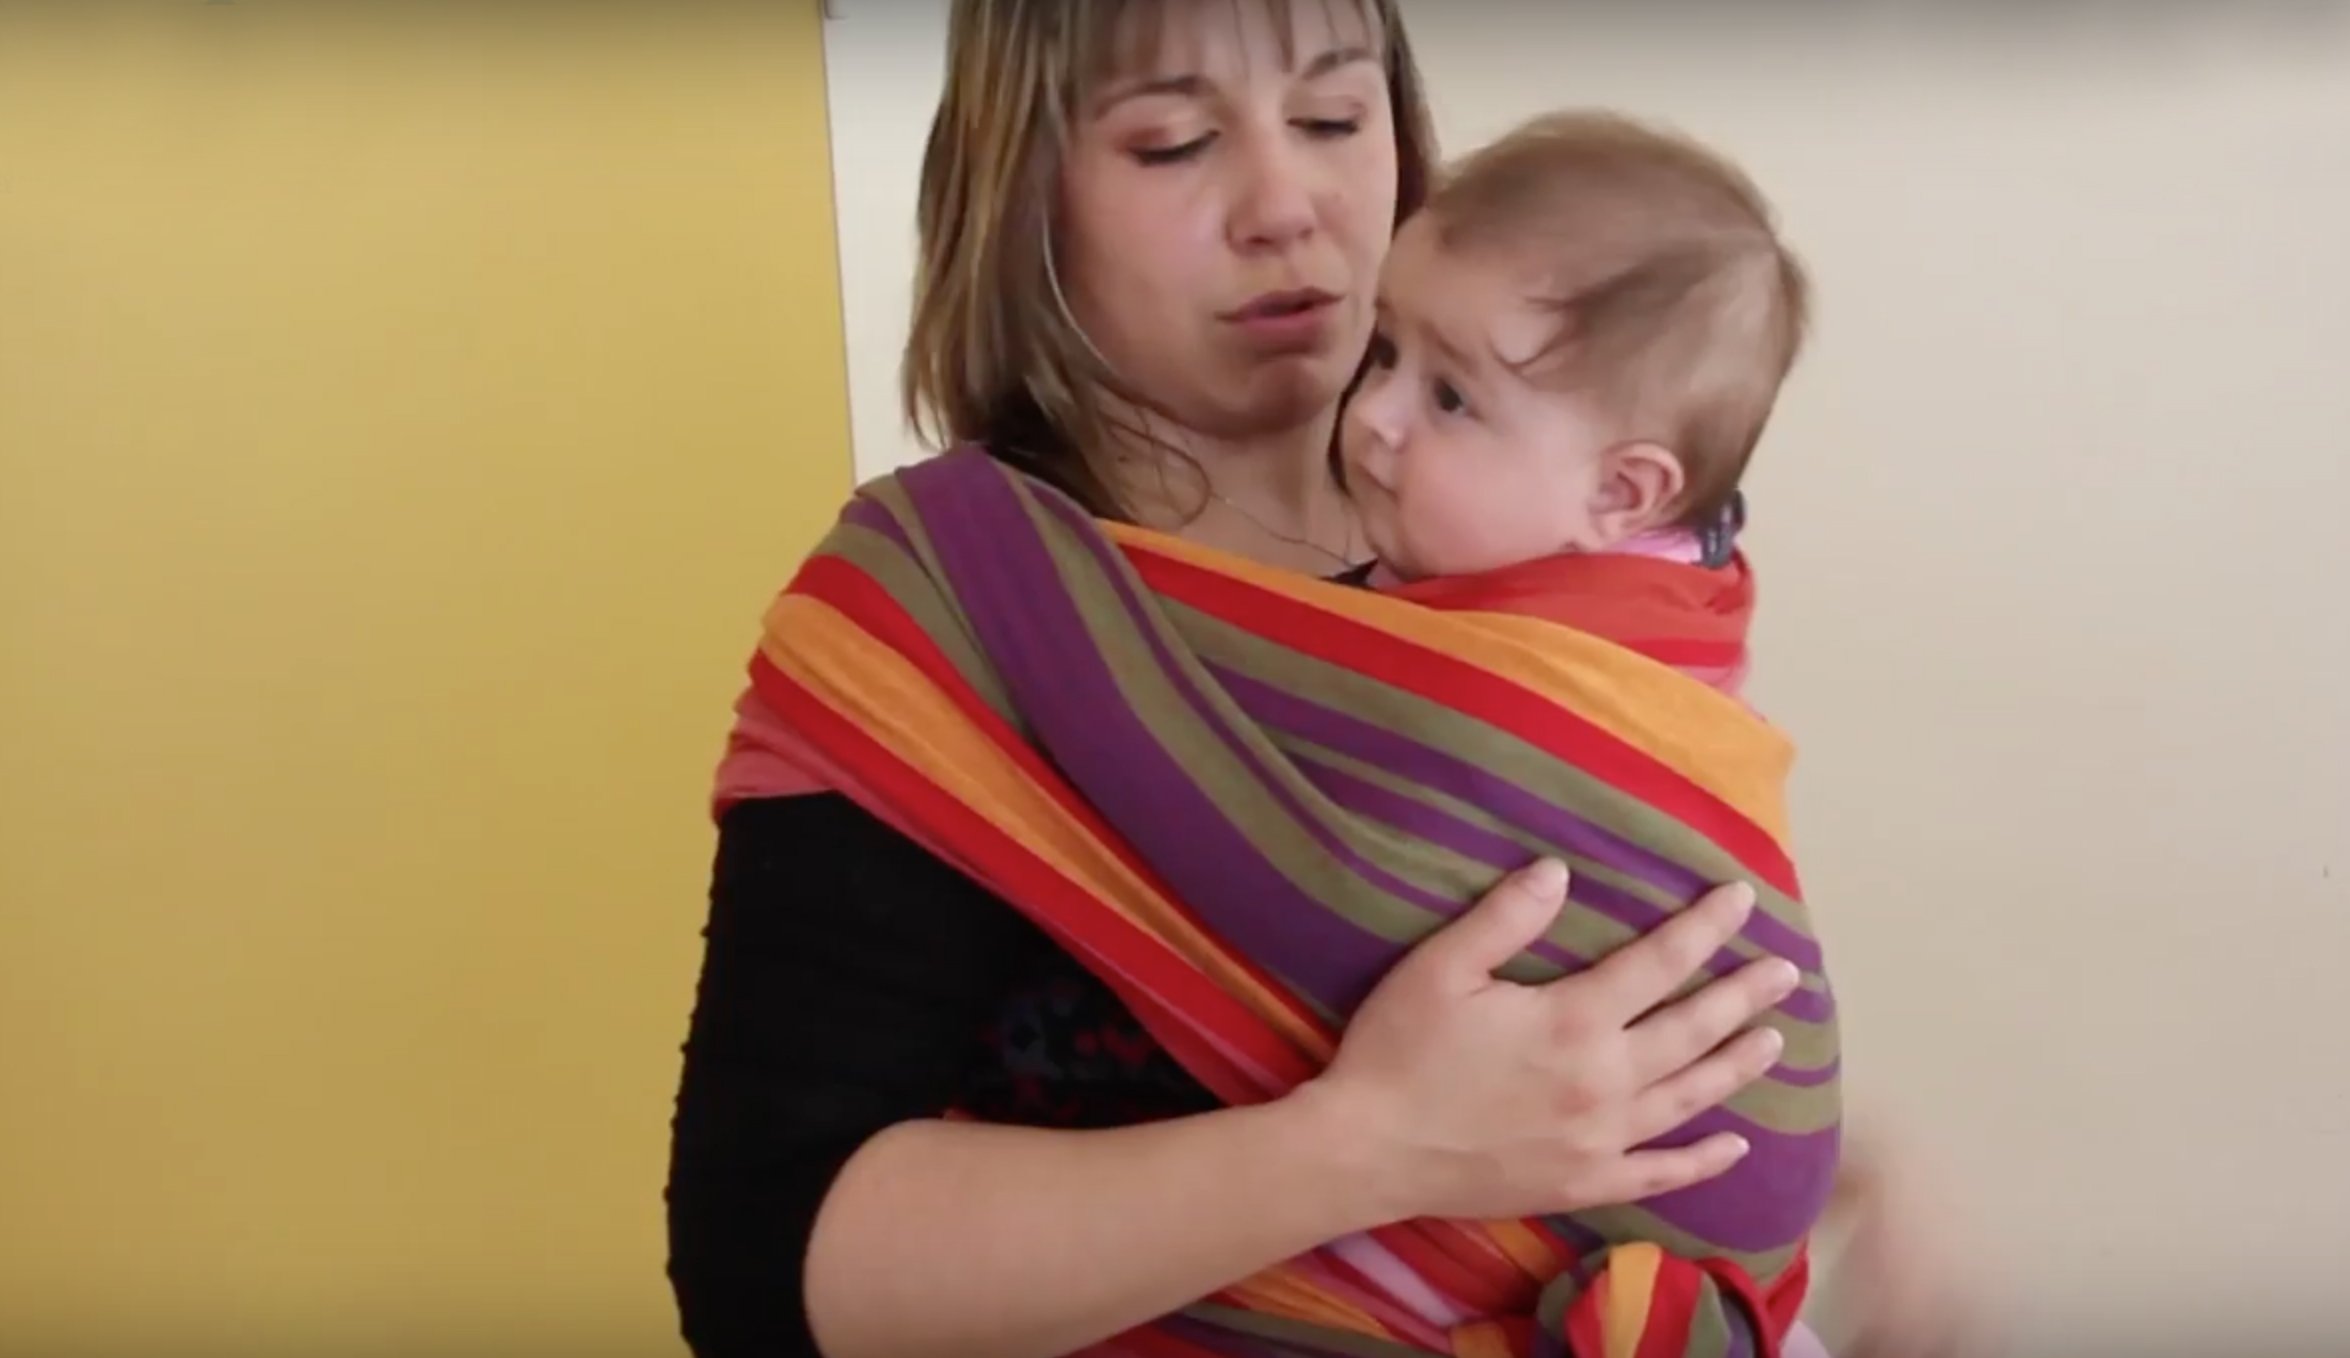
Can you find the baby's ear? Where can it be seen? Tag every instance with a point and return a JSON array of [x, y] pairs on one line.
[[1639, 485]]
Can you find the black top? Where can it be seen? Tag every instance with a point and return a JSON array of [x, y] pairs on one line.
[[851, 981]]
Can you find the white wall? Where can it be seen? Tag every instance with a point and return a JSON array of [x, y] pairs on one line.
[[2053, 538], [883, 60]]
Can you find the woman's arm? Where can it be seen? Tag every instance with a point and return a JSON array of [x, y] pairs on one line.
[[975, 1240], [846, 986], [1456, 1095]]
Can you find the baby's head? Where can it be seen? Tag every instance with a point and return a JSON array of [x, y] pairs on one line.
[[1580, 339]]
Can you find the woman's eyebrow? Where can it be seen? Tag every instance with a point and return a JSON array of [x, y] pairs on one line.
[[1337, 58], [1186, 86], [1192, 85]]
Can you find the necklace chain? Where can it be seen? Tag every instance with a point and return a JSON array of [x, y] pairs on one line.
[[1294, 540]]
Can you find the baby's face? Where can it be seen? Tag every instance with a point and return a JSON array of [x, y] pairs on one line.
[[1457, 463]]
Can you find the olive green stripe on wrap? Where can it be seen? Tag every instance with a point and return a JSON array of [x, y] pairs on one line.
[[898, 570], [1315, 846], [1315, 823], [1507, 757]]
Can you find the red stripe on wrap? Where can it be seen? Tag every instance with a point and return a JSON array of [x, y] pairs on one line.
[[871, 607], [1474, 692]]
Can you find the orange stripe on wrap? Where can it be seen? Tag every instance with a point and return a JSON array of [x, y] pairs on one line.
[[1563, 666], [931, 709], [1722, 775], [908, 717]]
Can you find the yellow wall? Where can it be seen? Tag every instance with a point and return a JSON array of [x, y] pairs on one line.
[[402, 423]]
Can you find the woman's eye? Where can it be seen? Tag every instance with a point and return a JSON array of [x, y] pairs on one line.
[[1331, 127], [1171, 155]]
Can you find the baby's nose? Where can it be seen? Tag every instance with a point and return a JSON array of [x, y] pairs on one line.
[[1369, 453], [1380, 422]]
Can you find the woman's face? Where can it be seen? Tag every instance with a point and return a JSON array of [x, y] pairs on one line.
[[1225, 212]]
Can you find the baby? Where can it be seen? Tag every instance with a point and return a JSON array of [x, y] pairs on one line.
[[1580, 340]]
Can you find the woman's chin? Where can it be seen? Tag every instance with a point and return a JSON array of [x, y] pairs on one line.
[[1275, 395]]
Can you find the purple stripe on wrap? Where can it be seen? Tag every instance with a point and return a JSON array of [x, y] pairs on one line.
[[1417, 819], [1472, 841], [1769, 1199], [1001, 567], [1766, 1201], [866, 512], [1028, 623], [1432, 768], [1348, 990], [1739, 1324]]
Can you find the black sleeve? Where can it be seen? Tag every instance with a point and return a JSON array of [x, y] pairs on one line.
[[847, 979]]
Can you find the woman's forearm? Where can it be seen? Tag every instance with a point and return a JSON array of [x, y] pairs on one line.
[[986, 1241]]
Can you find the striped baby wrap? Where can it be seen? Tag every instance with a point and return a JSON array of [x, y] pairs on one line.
[[1239, 796]]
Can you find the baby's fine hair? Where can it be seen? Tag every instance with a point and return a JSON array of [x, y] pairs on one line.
[[1679, 308]]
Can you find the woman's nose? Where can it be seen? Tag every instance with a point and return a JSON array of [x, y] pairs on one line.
[[1274, 203]]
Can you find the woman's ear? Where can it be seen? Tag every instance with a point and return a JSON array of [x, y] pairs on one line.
[[1638, 486]]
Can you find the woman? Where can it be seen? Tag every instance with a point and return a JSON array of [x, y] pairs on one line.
[[1150, 238]]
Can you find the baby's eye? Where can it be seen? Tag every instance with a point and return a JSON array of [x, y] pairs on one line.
[[1382, 351], [1449, 399]]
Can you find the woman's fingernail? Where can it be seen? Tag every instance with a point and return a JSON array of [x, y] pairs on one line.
[[1548, 877], [1785, 977]]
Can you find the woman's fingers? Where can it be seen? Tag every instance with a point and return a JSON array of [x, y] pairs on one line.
[[1640, 1175], [1647, 971], [1503, 923], [1471, 1073], [1678, 1034], [1692, 1089]]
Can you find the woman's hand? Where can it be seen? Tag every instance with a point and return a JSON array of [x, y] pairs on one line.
[[1488, 1098]]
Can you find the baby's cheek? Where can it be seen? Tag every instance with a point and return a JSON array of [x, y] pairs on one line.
[[1449, 533], [1509, 530]]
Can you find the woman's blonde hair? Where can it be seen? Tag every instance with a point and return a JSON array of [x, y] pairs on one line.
[[994, 355]]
